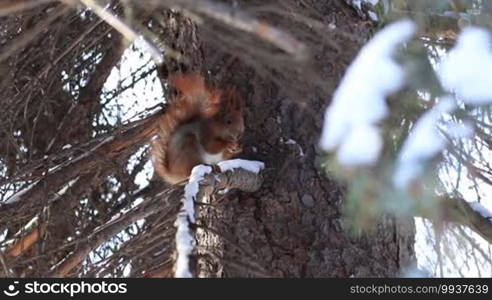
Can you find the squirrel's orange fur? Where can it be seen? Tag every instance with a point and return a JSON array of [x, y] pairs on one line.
[[202, 125]]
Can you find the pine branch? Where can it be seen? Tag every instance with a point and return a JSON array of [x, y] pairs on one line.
[[459, 211], [118, 144], [166, 203]]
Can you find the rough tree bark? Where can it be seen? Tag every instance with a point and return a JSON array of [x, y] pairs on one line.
[[292, 227]]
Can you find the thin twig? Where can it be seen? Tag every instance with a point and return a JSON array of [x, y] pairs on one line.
[[27, 37], [129, 33], [15, 6]]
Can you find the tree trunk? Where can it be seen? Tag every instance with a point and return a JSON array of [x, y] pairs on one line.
[[294, 226]]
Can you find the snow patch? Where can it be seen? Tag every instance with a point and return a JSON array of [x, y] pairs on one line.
[[466, 70], [66, 187], [357, 4], [372, 15], [351, 153], [248, 165], [290, 141], [191, 190], [482, 210], [15, 197], [185, 242], [359, 102], [425, 141]]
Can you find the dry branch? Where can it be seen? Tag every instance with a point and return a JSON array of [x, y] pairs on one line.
[[111, 147], [14, 6], [89, 95], [166, 203], [34, 33], [27, 241], [126, 30]]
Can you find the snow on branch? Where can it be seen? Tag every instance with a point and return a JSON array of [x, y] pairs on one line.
[[18, 195], [129, 33], [466, 70], [470, 214], [482, 210], [202, 183], [358, 6], [359, 102], [185, 241], [425, 141], [248, 165]]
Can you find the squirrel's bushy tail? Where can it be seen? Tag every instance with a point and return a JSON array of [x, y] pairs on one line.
[[195, 101]]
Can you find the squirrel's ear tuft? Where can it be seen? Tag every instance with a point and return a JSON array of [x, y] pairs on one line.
[[234, 100], [188, 83], [193, 89]]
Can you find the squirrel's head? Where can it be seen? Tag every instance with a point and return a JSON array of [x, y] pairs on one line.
[[230, 117]]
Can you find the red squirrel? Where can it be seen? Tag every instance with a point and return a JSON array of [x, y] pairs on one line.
[[202, 125]]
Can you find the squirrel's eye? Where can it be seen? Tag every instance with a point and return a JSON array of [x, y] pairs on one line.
[[229, 122]]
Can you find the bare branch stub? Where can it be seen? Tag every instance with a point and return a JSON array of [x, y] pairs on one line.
[[240, 179]]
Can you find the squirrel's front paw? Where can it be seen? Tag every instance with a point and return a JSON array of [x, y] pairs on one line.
[[234, 147]]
